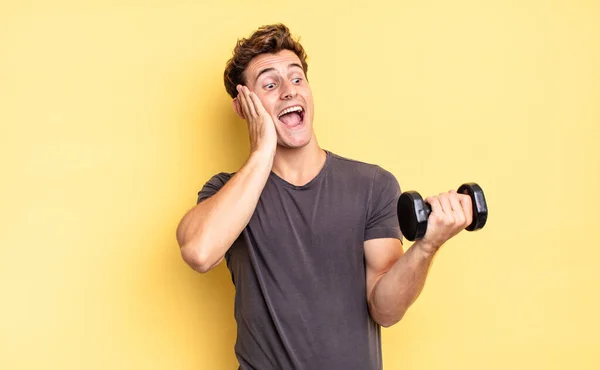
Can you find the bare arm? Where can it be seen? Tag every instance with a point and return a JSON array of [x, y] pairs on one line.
[[395, 279], [209, 229]]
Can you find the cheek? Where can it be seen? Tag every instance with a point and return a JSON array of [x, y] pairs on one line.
[[308, 96]]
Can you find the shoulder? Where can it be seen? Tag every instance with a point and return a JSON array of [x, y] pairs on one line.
[[370, 172], [220, 178], [213, 185]]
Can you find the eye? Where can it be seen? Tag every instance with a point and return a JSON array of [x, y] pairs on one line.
[[270, 86], [296, 80]]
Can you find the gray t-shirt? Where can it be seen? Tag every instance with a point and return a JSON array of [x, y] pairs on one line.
[[299, 271]]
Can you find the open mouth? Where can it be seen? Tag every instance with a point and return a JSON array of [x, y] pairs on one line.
[[292, 116]]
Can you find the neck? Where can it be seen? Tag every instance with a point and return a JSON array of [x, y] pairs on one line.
[[299, 166]]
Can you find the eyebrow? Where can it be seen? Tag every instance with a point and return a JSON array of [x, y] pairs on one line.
[[271, 69]]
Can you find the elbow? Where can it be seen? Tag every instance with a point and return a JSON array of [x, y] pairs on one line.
[[192, 250], [389, 322], [387, 319], [196, 258]]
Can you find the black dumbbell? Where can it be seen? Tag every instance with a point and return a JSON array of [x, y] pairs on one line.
[[413, 211]]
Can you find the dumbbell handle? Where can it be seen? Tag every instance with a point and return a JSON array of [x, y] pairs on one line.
[[413, 212], [476, 201]]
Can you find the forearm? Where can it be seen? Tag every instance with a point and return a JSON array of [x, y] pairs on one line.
[[208, 230], [399, 287]]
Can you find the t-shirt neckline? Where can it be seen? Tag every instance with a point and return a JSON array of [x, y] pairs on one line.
[[311, 182]]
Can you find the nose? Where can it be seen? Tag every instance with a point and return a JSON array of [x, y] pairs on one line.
[[288, 91]]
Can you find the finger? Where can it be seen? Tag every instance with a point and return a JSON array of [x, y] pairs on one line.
[[259, 108], [244, 102], [241, 98], [458, 211], [238, 106], [445, 203], [467, 206], [251, 109], [436, 207]]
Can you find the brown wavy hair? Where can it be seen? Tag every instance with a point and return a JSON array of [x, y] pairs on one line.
[[267, 39]]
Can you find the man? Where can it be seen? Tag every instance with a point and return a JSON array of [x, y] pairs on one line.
[[311, 238]]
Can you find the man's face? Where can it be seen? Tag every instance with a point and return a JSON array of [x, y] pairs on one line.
[[279, 82]]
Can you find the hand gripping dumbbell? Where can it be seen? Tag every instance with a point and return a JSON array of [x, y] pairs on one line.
[[413, 211]]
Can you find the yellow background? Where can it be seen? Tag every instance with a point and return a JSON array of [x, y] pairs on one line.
[[113, 114]]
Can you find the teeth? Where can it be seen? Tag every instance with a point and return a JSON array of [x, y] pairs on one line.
[[290, 110]]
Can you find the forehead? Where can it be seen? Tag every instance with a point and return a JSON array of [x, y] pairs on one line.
[[279, 61]]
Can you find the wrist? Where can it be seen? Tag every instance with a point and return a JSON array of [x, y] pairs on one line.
[[427, 249], [263, 148], [262, 156]]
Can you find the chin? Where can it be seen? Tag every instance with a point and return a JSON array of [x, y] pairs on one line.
[[294, 144]]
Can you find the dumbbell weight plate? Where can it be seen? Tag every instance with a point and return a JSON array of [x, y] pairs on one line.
[[412, 215], [480, 211]]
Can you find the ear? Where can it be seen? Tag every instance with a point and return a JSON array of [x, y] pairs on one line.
[[237, 108]]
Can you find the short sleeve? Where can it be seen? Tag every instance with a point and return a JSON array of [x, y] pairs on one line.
[[382, 216], [212, 186]]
